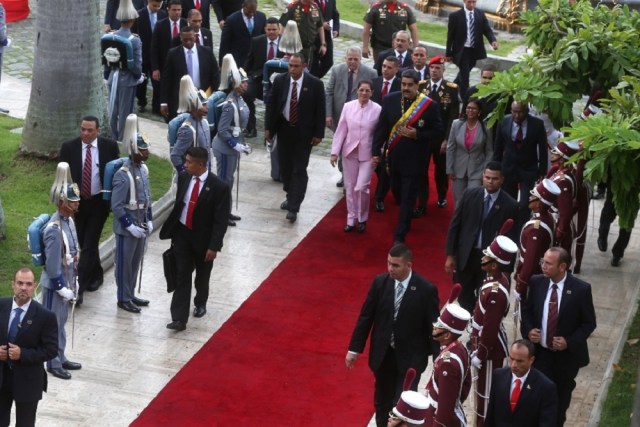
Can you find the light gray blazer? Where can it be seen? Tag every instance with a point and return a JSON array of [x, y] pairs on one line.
[[470, 163], [336, 90]]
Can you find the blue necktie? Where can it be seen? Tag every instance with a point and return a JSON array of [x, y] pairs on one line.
[[487, 207], [152, 19], [15, 324], [250, 25], [190, 63]]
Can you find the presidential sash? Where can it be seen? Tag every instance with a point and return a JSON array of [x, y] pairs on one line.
[[409, 117]]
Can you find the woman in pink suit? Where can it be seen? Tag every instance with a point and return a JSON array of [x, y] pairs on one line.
[[353, 140]]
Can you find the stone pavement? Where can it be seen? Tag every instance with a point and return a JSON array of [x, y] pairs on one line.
[[128, 359]]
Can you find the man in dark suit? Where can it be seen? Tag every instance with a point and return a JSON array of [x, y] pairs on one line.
[[238, 30], [465, 45], [534, 403], [399, 312], [400, 50], [521, 146], [163, 33], [263, 47], [143, 27], [323, 63], [196, 227], [29, 337], [296, 115], [224, 8], [558, 317], [177, 65], [202, 6], [477, 219], [93, 210], [203, 36], [409, 121]]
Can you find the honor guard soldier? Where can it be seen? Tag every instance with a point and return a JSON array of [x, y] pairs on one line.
[[308, 16], [412, 406], [382, 21], [488, 336], [450, 381], [536, 235], [61, 259], [565, 179], [131, 206]]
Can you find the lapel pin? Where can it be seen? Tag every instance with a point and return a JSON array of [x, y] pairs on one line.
[[413, 288], [29, 322], [569, 292], [206, 188], [304, 89], [528, 387]]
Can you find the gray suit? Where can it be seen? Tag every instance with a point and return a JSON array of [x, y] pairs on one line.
[[336, 91], [184, 140], [465, 164], [126, 212], [121, 101]]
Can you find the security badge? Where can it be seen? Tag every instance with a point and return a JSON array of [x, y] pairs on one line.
[[421, 123]]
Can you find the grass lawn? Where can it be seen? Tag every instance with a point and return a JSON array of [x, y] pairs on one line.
[[24, 189], [618, 407]]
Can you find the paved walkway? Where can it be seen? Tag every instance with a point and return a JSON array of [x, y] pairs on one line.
[[128, 359]]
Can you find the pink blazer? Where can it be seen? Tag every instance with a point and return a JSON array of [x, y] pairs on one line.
[[355, 129]]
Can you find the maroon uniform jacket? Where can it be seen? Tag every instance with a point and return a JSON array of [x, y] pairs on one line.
[[565, 204], [487, 335], [535, 238]]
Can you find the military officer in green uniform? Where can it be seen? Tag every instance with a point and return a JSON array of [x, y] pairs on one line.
[[309, 18], [382, 21]]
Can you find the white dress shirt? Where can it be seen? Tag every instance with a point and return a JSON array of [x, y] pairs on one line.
[[287, 104], [96, 186], [187, 195], [545, 309]]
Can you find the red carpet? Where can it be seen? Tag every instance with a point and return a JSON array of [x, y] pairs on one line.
[[279, 359]]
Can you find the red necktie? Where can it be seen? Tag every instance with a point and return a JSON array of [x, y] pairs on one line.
[[197, 38], [385, 89], [175, 29], [293, 105], [271, 54], [552, 316], [515, 394], [192, 203], [86, 174], [198, 4], [519, 137]]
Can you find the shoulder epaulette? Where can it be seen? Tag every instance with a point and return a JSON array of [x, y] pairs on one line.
[[403, 4], [376, 4], [186, 123], [452, 84], [293, 3], [495, 287], [536, 223], [124, 168], [446, 356]]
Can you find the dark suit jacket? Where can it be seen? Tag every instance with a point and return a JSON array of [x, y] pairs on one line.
[[224, 8], [111, 11], [206, 41], [236, 39], [409, 155], [311, 106], [161, 42], [467, 219], [457, 34], [142, 27], [71, 152], [529, 162], [205, 10], [176, 66], [257, 56], [211, 214], [38, 341], [536, 407], [412, 328], [376, 95], [407, 63], [576, 318]]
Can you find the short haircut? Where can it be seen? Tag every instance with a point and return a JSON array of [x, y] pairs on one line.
[[365, 82], [23, 270], [392, 59], [488, 67], [192, 12], [198, 153], [400, 250], [300, 56], [563, 255], [411, 74], [420, 46], [397, 33], [525, 343], [249, 3], [272, 20], [354, 49], [92, 119], [174, 3], [186, 29], [494, 165]]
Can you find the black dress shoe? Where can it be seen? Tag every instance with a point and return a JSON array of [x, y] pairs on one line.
[[284, 205], [59, 373], [95, 285], [71, 366], [602, 244], [199, 311], [233, 217], [340, 183], [177, 326], [348, 228], [250, 133], [615, 261], [231, 223], [292, 216], [142, 109], [362, 226], [597, 195], [442, 203], [379, 207], [80, 299], [140, 302], [418, 212], [129, 306]]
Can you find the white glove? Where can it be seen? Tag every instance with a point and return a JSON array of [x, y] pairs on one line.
[[517, 295], [66, 293], [477, 363], [136, 231], [241, 148], [149, 227], [141, 79]]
